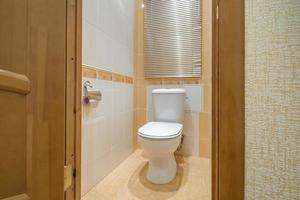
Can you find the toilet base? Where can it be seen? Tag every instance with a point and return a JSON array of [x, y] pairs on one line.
[[162, 169]]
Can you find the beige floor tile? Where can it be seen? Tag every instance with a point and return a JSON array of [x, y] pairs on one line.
[[128, 181]]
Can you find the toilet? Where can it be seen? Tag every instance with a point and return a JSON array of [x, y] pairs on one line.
[[160, 138]]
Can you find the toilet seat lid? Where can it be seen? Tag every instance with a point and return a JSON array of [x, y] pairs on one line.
[[160, 130]]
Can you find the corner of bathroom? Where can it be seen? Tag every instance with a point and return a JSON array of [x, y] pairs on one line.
[[122, 65]]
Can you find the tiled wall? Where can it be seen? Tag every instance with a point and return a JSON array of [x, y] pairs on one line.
[[108, 35], [106, 132], [272, 99], [108, 64], [201, 120]]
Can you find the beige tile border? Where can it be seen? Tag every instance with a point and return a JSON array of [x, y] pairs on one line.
[[117, 78], [104, 75], [92, 72], [89, 73]]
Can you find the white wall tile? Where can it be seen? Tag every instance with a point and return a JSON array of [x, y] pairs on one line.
[[102, 168], [108, 35], [102, 138], [194, 97], [106, 131], [86, 177], [90, 44], [90, 11]]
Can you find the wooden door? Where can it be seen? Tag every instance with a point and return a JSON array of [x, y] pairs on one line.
[[32, 99]]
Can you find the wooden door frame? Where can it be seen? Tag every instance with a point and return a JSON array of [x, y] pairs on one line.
[[73, 96], [228, 110], [78, 99], [228, 114]]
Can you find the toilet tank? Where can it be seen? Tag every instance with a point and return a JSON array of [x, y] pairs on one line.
[[168, 105]]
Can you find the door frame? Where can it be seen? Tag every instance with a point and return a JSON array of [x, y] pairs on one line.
[[228, 98], [73, 96]]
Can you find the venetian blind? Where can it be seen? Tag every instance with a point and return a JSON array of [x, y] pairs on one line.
[[172, 38]]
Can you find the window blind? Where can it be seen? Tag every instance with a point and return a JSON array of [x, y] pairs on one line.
[[172, 38]]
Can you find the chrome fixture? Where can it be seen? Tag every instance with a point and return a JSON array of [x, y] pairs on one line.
[[90, 93]]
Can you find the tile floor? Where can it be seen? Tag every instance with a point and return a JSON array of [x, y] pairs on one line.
[[128, 181]]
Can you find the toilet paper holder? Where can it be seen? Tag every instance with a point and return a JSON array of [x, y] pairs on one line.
[[90, 93]]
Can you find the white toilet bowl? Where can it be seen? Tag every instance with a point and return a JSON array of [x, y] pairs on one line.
[[159, 141]]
